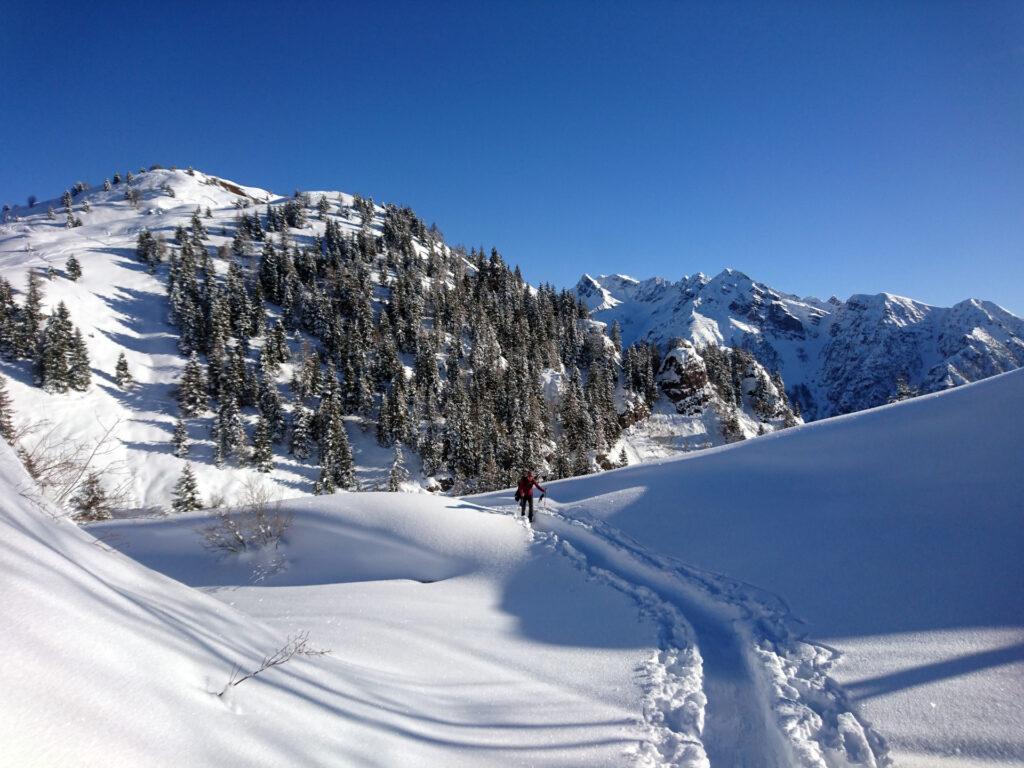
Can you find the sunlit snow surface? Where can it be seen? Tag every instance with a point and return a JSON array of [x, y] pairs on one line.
[[895, 536]]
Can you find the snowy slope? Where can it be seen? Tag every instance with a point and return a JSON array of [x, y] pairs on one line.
[[890, 539], [835, 357], [121, 307], [455, 640]]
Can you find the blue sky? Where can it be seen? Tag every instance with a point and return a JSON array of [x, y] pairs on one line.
[[825, 148]]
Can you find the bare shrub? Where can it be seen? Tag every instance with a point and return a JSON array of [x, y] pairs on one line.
[[68, 470], [295, 645], [256, 522]]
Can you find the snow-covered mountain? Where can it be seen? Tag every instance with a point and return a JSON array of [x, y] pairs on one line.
[[834, 356], [368, 297]]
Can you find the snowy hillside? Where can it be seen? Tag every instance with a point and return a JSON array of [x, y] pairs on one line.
[[865, 572], [453, 641], [834, 356], [333, 338]]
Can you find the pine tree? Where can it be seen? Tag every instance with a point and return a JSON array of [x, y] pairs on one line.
[[336, 469], [52, 367], [79, 372], [301, 440], [122, 375], [180, 439], [262, 449], [7, 431], [399, 474], [272, 409], [192, 389], [623, 458], [31, 317], [903, 390], [228, 430], [73, 268], [186, 492], [91, 500]]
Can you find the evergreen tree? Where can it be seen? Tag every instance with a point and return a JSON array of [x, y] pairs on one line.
[[122, 375], [91, 500], [52, 367], [301, 440], [79, 372], [186, 492], [180, 439], [228, 430], [398, 474], [192, 389], [903, 390], [31, 317], [336, 468], [73, 268], [7, 431], [272, 409], [262, 449]]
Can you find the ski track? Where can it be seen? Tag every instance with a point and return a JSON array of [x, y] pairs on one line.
[[732, 685]]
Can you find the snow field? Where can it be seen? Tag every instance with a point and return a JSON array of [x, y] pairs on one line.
[[886, 620]]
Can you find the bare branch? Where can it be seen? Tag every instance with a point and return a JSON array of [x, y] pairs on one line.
[[295, 645]]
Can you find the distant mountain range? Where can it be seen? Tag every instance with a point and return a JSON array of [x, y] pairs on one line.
[[834, 356]]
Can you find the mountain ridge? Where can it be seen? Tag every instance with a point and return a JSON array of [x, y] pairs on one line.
[[824, 350]]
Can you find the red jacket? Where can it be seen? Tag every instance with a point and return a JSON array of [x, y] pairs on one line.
[[525, 488]]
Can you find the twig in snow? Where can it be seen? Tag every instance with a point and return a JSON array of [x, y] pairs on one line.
[[296, 645]]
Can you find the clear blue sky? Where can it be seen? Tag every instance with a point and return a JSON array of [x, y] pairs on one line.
[[824, 148]]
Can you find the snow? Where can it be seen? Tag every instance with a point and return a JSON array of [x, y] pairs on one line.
[[456, 639], [872, 559]]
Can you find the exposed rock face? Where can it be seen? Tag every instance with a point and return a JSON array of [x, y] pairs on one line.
[[744, 399], [834, 356]]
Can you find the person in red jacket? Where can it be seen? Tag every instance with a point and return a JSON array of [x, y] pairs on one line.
[[524, 492]]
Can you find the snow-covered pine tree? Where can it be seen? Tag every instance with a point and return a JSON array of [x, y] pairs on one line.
[[198, 231], [186, 492], [271, 408], [90, 501], [336, 469], [180, 439], [79, 372], [31, 319], [229, 432], [7, 431], [262, 447], [301, 442], [122, 375], [73, 268], [385, 436], [52, 366], [903, 390], [192, 397], [398, 474]]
